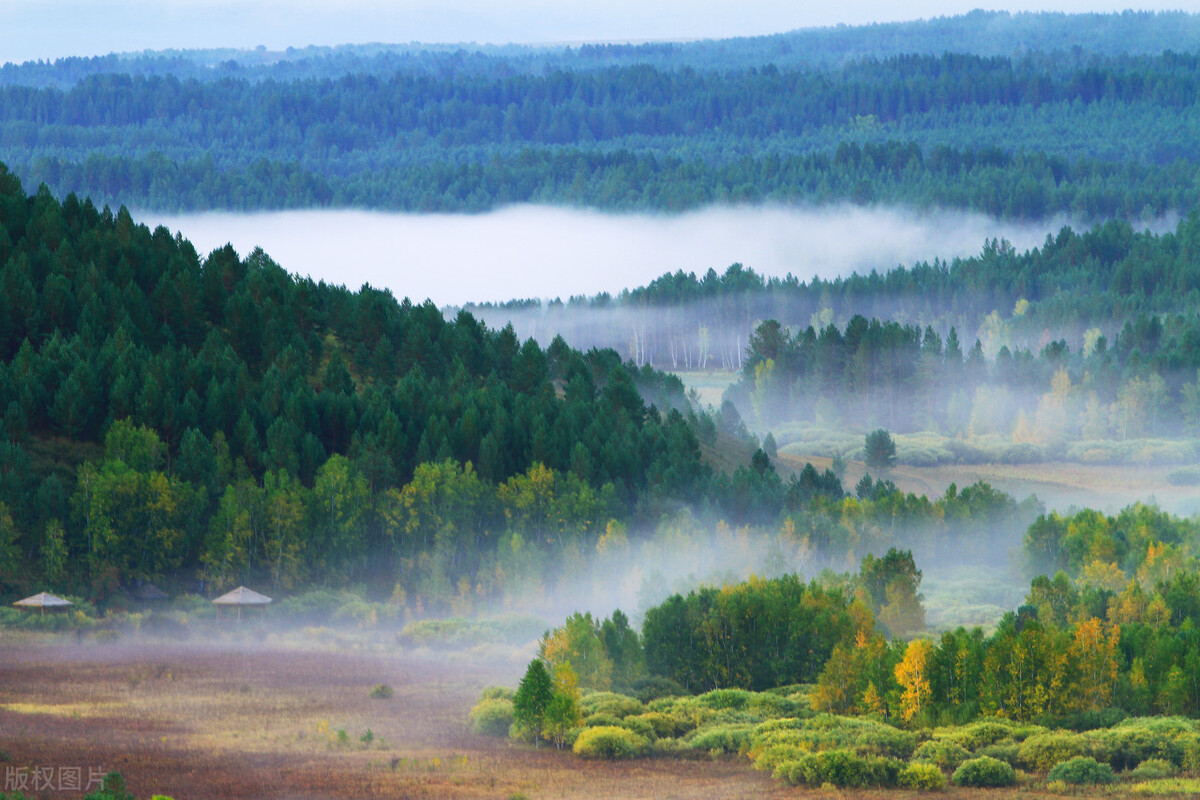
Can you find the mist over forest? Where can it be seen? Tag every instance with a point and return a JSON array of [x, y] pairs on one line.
[[543, 252], [826, 403]]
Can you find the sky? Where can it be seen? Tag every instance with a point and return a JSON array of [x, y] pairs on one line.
[[48, 29]]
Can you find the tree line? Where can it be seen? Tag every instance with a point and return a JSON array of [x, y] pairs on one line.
[[166, 414], [1021, 137], [1085, 647]]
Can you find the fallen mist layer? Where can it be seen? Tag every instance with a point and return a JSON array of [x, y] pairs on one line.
[[547, 252]]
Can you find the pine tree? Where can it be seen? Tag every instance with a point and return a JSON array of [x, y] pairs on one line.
[[533, 697]]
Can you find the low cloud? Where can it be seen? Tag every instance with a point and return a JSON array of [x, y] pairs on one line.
[[547, 252]]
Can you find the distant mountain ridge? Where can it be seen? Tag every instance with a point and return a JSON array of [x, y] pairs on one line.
[[983, 33]]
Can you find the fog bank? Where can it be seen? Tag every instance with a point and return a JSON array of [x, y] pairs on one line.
[[538, 251]]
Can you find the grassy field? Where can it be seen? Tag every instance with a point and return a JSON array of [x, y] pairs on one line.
[[1060, 485], [709, 385], [259, 715], [246, 720]]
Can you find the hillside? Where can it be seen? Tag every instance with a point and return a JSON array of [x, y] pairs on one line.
[[179, 417], [1020, 116]]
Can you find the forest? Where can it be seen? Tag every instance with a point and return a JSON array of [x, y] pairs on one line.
[[206, 421], [818, 572], [1087, 132]]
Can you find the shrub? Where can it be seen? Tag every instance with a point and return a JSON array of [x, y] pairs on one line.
[[830, 732], [111, 788], [946, 755], [313, 607], [655, 687], [1043, 751], [1082, 770], [381, 691], [984, 772], [922, 777], [664, 725], [601, 720], [1188, 476], [976, 735], [611, 703], [1093, 720], [769, 758], [496, 693], [492, 717], [1153, 768], [1167, 786], [1137, 739], [722, 738], [770, 706], [1003, 752], [841, 768], [639, 726], [609, 742], [719, 699]]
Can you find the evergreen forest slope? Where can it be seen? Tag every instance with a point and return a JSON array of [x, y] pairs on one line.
[[1019, 116]]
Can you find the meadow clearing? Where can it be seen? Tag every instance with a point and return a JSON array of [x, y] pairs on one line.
[[252, 716], [257, 715]]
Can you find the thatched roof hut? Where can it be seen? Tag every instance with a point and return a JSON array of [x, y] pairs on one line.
[[241, 596], [43, 600]]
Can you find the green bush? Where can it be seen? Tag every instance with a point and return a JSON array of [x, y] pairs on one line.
[[664, 725], [496, 693], [1043, 751], [722, 738], [841, 768], [719, 699], [946, 755], [194, 606], [1134, 740], [1093, 720], [492, 717], [770, 706], [450, 633], [639, 726], [1008, 753], [381, 691], [601, 720], [922, 777], [1152, 769], [976, 735], [830, 732], [609, 742], [984, 772], [111, 788], [655, 687], [313, 607], [769, 758], [1188, 476], [610, 703], [1175, 787], [1081, 770]]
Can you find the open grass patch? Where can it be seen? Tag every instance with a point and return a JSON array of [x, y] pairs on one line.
[[1183, 787]]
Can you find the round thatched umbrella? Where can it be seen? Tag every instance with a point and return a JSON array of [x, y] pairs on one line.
[[241, 596], [43, 601]]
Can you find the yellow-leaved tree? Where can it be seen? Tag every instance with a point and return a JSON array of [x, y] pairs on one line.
[[1094, 656], [912, 673]]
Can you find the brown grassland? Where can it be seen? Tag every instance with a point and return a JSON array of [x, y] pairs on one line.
[[240, 720], [257, 716]]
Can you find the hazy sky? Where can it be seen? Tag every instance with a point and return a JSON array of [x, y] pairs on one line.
[[34, 29]]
